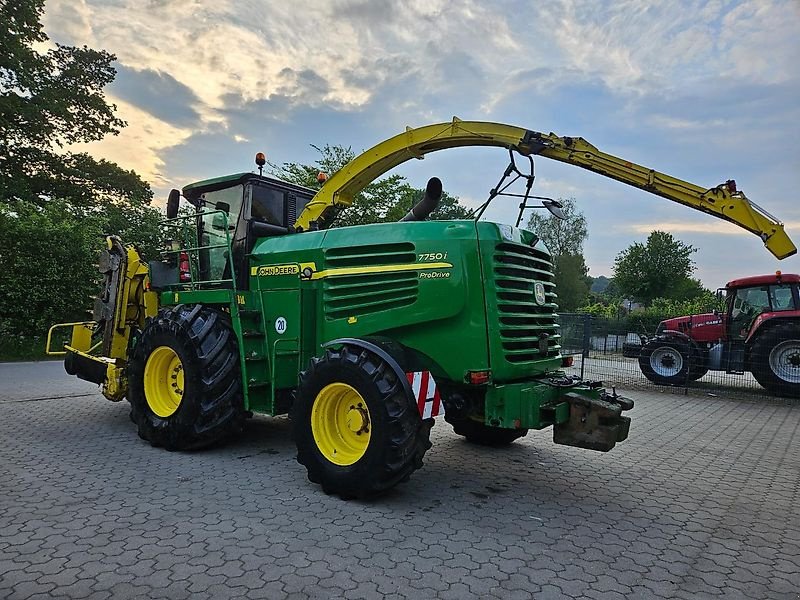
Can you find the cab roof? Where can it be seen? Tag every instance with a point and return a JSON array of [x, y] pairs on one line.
[[193, 191], [770, 279]]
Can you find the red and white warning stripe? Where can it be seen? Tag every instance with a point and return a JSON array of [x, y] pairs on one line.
[[426, 393]]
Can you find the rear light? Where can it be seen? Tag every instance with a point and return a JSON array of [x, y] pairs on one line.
[[183, 268], [566, 361], [479, 377]]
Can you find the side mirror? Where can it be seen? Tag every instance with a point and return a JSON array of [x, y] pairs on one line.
[[224, 207], [720, 295], [173, 201], [554, 206]]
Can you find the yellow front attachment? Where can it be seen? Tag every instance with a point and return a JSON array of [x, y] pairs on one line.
[[163, 381], [340, 424]]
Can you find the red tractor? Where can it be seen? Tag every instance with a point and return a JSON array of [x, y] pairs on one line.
[[759, 332]]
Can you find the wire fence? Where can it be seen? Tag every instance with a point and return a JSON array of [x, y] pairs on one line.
[[607, 350]]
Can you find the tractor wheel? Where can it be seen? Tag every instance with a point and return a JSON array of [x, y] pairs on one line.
[[358, 433], [665, 362], [184, 380], [482, 434], [696, 372], [775, 359]]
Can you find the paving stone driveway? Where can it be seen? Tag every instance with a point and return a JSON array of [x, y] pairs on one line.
[[702, 501]]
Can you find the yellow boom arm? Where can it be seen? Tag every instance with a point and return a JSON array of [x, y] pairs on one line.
[[723, 201]]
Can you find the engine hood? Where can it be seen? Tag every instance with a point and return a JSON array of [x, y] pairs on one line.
[[705, 327]]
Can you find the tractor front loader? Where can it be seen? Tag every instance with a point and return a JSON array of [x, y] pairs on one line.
[[363, 334]]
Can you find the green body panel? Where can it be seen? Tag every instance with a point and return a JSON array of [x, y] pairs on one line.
[[459, 296], [528, 405]]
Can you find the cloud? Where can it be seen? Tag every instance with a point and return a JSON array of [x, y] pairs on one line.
[[705, 90], [159, 94], [140, 145]]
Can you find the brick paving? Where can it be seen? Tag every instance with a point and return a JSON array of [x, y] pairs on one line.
[[701, 502]]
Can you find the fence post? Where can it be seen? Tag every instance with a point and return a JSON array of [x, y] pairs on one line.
[[688, 360], [587, 336]]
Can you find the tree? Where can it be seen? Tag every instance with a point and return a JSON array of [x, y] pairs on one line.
[[55, 205], [47, 257], [572, 281], [48, 100], [386, 199], [561, 236], [660, 268], [565, 238]]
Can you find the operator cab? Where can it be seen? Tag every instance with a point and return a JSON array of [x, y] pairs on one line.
[[749, 297], [250, 207]]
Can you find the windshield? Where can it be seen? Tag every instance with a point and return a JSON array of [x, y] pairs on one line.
[[228, 200]]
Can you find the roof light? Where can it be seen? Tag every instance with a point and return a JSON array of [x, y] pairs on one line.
[[322, 177], [261, 160]]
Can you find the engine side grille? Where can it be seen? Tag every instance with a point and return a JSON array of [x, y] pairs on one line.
[[526, 327], [354, 294], [368, 256]]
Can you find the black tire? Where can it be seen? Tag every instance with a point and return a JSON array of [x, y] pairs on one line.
[[774, 359], [398, 436], [482, 434], [665, 362], [211, 407], [696, 372]]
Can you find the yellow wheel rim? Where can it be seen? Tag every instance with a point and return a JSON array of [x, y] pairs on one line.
[[340, 424], [163, 381]]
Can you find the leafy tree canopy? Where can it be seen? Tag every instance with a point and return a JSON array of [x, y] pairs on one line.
[[659, 268], [50, 99], [55, 205], [383, 200], [562, 237]]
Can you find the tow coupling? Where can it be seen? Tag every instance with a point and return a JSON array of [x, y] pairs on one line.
[[594, 423]]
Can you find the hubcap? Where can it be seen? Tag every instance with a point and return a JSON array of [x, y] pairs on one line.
[[666, 361], [784, 360], [163, 381], [340, 424]]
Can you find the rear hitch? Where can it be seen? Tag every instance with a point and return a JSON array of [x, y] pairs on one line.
[[594, 423]]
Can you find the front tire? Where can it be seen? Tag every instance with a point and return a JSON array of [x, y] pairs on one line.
[[184, 380], [357, 431], [665, 362], [775, 359]]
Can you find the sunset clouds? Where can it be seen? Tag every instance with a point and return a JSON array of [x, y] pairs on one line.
[[705, 91]]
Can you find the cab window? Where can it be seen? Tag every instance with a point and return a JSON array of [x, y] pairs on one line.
[[750, 301], [781, 297], [214, 234], [267, 204]]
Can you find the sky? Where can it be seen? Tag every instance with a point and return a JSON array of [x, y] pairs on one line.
[[703, 91]]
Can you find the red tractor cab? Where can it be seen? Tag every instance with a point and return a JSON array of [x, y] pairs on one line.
[[759, 332]]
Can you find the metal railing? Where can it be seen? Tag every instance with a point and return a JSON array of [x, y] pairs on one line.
[[187, 238]]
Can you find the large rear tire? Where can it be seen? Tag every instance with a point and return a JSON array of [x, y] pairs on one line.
[[775, 359], [184, 380], [482, 434], [358, 433]]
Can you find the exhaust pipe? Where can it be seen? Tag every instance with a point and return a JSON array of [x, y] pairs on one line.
[[429, 202]]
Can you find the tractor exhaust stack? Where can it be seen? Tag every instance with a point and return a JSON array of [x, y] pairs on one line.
[[429, 202]]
